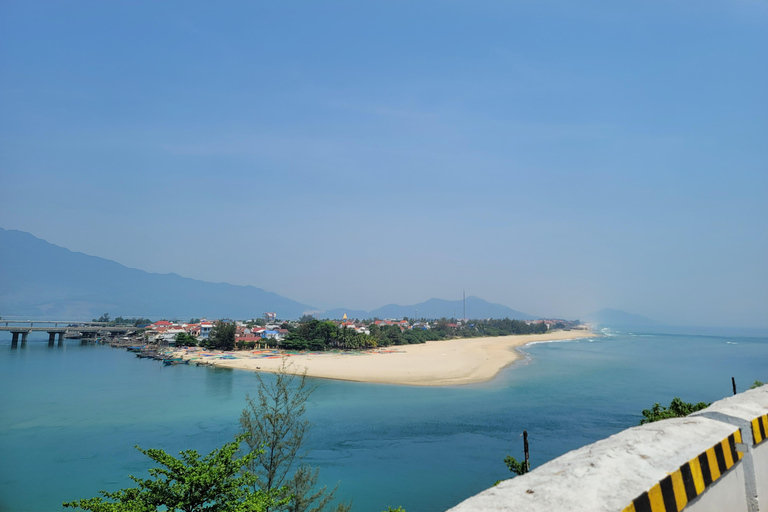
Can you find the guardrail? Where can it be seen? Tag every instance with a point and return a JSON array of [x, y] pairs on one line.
[[713, 460]]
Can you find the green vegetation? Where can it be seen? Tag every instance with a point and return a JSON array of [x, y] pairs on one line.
[[214, 483], [313, 334], [274, 430], [317, 335], [502, 327], [676, 409], [756, 384], [267, 474], [122, 321], [518, 468], [222, 336], [184, 339]]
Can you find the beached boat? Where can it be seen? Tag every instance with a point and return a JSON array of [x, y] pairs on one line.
[[175, 360]]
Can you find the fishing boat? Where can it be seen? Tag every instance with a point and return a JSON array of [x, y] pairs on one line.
[[175, 360]]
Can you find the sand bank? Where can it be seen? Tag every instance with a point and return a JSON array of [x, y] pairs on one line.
[[435, 363]]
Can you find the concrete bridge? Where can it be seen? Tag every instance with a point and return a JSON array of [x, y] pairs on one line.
[[22, 328]]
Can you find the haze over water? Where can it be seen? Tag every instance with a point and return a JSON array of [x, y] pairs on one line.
[[72, 414]]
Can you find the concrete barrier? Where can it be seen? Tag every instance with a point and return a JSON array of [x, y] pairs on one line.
[[713, 460]]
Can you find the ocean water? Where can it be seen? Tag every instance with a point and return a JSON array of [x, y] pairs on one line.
[[70, 415]]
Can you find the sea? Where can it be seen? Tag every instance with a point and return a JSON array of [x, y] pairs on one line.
[[72, 414]]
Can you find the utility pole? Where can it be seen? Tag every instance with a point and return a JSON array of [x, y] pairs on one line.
[[733, 381], [464, 298]]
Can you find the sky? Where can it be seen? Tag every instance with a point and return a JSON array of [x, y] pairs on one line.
[[557, 157]]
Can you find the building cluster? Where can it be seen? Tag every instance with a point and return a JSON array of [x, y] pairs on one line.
[[259, 333], [164, 330]]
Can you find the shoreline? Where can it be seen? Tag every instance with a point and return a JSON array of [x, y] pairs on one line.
[[434, 363]]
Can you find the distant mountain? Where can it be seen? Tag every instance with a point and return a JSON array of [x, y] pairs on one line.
[[433, 308], [42, 280], [616, 318]]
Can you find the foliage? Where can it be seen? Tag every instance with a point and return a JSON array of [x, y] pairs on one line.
[[222, 336], [122, 321], [304, 496], [501, 327], [317, 335], [398, 509], [184, 339], [194, 321], [313, 334], [274, 430], [213, 483], [756, 384], [518, 468], [677, 409]]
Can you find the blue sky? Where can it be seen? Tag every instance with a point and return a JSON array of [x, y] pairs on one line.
[[556, 157]]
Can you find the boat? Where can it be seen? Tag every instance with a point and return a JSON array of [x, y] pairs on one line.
[[175, 360]]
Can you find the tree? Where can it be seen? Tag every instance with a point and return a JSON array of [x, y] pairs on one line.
[[184, 339], [274, 429], [304, 497], [222, 336], [213, 483], [677, 409], [103, 318]]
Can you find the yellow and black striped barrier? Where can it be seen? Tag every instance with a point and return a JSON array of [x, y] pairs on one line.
[[675, 491], [759, 428]]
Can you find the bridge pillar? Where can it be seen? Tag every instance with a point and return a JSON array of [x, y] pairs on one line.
[[51, 337], [15, 339], [61, 336]]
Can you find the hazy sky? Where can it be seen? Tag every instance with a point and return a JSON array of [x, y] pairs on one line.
[[556, 157]]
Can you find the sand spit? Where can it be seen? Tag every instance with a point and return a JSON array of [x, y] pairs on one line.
[[435, 363]]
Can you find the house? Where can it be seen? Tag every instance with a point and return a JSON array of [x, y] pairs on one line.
[[205, 329], [274, 334]]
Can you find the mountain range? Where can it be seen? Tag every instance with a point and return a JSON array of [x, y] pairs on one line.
[[41, 280], [434, 308]]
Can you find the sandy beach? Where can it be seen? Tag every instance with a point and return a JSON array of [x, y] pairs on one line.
[[435, 363]]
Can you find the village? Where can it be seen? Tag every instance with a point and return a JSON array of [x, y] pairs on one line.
[[269, 330]]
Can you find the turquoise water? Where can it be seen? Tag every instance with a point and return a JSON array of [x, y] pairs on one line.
[[70, 415]]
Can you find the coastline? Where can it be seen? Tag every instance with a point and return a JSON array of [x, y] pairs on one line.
[[435, 363]]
